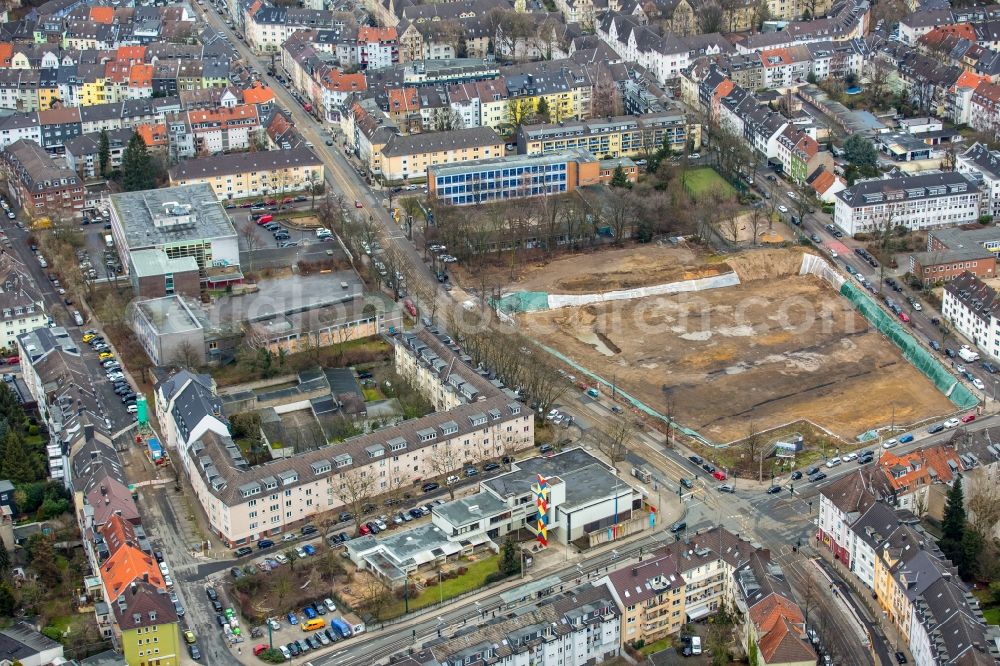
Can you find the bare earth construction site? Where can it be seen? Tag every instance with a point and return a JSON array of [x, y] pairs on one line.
[[777, 348]]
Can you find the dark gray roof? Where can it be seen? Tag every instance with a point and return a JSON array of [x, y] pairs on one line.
[[417, 144], [21, 643], [911, 188], [207, 167]]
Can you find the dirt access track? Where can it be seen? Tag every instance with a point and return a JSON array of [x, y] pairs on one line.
[[777, 348]]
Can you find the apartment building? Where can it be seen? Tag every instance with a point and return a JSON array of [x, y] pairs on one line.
[[973, 309], [224, 129], [409, 156], [620, 136], [181, 221], [984, 109], [650, 597], [22, 308], [786, 67], [519, 177], [841, 504], [82, 154], [242, 175], [37, 184], [574, 628], [913, 202], [244, 503], [148, 626], [983, 166], [266, 27]]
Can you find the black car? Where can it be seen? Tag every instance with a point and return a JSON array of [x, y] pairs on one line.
[[216, 605], [679, 526], [686, 483], [796, 475], [989, 367], [864, 460], [264, 543], [936, 428], [695, 459], [293, 647], [812, 470], [818, 476], [900, 657], [489, 467], [344, 517], [545, 448], [373, 527], [430, 487], [243, 552], [212, 594], [195, 652], [311, 642], [416, 513], [331, 634], [308, 529], [236, 573], [708, 467], [774, 490], [158, 555], [220, 619]]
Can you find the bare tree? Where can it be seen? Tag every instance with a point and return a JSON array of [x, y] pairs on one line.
[[730, 223], [356, 490], [376, 595], [878, 73], [753, 449], [756, 220], [615, 437], [442, 461], [711, 18], [248, 234], [186, 355]]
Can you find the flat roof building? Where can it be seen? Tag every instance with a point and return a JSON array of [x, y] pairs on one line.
[[182, 221], [167, 328]]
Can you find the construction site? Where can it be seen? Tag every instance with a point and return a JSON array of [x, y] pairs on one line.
[[742, 339]]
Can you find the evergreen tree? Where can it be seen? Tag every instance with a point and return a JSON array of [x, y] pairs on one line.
[[510, 559], [971, 547], [16, 463], [7, 601], [953, 525], [138, 172], [4, 563], [618, 178], [542, 110], [104, 153]]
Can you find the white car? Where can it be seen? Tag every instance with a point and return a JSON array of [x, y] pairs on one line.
[[889, 443], [274, 624], [285, 653], [694, 156], [833, 253], [132, 409], [951, 423], [792, 195], [833, 462], [280, 558], [330, 606], [849, 457], [301, 553], [978, 383], [783, 209]]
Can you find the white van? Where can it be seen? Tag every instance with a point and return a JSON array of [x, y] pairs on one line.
[[833, 462]]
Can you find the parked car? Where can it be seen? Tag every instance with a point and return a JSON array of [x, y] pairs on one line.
[[292, 618], [430, 487], [244, 551]]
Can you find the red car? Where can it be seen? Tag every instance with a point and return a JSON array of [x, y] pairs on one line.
[[357, 204], [245, 204], [287, 200], [259, 648], [904, 318], [719, 474], [968, 418], [271, 202], [264, 219], [365, 530]]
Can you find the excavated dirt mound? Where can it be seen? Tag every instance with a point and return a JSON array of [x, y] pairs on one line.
[[767, 263]]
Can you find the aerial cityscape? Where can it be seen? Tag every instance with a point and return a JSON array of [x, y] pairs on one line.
[[514, 332]]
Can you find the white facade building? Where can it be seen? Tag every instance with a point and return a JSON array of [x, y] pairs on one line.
[[983, 165], [914, 202], [973, 309]]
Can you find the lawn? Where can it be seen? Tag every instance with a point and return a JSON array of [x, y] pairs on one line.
[[371, 394], [991, 611], [705, 181], [656, 646], [474, 578]]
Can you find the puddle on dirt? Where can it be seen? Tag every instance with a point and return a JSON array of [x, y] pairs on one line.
[[697, 336], [594, 340]]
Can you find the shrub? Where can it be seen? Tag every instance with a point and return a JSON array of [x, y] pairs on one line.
[[272, 656], [32, 430], [495, 577], [430, 582], [463, 570]]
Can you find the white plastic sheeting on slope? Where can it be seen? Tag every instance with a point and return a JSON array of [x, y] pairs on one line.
[[700, 284], [821, 268]]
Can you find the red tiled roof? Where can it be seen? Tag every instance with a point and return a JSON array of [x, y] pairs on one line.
[[127, 565], [370, 34], [153, 135], [140, 76], [117, 533], [6, 53], [919, 468], [784, 645], [131, 53], [823, 182], [105, 15], [257, 94]]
